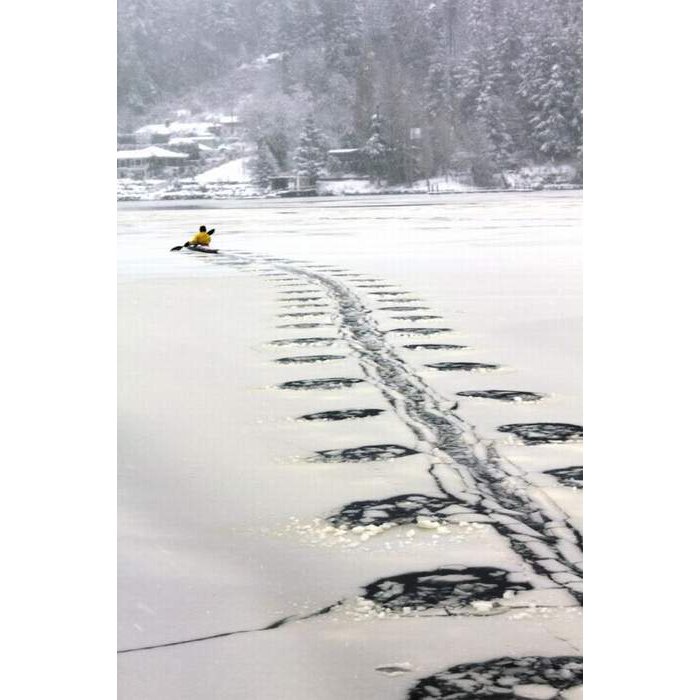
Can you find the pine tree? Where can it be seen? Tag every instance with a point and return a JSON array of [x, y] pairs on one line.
[[220, 24], [491, 114], [376, 150], [481, 157], [550, 85], [310, 156], [263, 166], [437, 88], [342, 35], [137, 58]]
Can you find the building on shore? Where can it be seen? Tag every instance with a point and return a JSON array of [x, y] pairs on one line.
[[162, 133], [347, 161], [292, 185], [230, 126], [150, 162]]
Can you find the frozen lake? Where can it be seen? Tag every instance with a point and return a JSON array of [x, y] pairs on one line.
[[360, 428]]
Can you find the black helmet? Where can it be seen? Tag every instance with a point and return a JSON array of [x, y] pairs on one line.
[[203, 229]]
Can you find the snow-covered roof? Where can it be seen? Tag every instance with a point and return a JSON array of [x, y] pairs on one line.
[[177, 129], [185, 141], [150, 152], [340, 151], [262, 60]]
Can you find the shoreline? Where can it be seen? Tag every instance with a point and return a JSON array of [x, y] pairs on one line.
[[349, 195]]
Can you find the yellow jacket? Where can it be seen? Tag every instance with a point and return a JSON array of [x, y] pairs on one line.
[[200, 238]]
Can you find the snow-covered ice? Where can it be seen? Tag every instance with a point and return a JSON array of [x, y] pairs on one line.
[[431, 541]]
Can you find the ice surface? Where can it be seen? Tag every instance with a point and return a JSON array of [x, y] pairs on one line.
[[227, 524]]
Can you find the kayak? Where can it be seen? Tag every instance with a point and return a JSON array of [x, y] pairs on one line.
[[199, 249]]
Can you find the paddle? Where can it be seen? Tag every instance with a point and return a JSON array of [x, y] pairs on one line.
[[187, 245]]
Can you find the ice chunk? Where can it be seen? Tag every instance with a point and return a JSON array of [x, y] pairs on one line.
[[395, 669], [427, 523], [535, 692]]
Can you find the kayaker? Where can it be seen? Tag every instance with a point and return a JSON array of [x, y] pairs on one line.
[[202, 237]]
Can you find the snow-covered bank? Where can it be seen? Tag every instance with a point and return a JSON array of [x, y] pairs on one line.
[[526, 179], [183, 190], [232, 503], [232, 180], [166, 190]]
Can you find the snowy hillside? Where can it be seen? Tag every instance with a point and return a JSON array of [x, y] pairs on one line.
[[235, 171], [427, 87]]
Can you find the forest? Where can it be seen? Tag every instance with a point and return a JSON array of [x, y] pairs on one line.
[[422, 88]]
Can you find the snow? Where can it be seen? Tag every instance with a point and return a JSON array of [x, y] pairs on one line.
[[177, 128], [150, 152], [270, 58], [223, 514], [357, 186], [346, 186], [237, 170], [535, 692], [190, 140], [180, 189], [541, 177]]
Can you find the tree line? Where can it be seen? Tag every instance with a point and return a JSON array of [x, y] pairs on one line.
[[422, 87]]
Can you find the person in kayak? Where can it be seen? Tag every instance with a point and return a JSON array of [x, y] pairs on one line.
[[200, 241], [202, 237]]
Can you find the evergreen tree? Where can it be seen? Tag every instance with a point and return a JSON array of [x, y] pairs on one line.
[[310, 156], [137, 45], [550, 89], [263, 166], [376, 150], [364, 96], [481, 157], [342, 35], [491, 114], [220, 25]]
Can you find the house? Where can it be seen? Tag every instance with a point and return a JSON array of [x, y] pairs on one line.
[[280, 182], [126, 140], [230, 126], [194, 147], [207, 151], [162, 133], [150, 162], [292, 186], [347, 160]]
